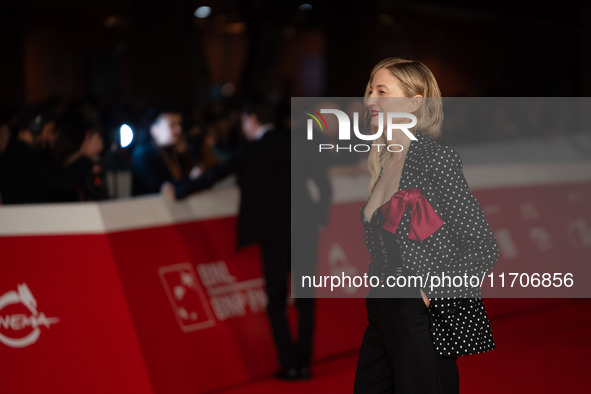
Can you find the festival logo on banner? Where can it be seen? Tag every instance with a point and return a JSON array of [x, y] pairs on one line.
[[230, 297], [186, 297], [20, 320]]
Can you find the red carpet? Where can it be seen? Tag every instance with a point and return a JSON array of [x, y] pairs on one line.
[[543, 346]]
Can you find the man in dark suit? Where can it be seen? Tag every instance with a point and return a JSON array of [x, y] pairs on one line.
[[159, 159], [262, 166]]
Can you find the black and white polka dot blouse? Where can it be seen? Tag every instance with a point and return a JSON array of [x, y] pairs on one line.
[[463, 245]]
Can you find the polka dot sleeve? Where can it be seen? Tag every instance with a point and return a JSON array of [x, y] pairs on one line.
[[477, 249]]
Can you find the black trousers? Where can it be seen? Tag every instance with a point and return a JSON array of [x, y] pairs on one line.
[[397, 353], [276, 258]]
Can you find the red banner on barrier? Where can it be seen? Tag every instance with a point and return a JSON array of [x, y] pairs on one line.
[[175, 308]]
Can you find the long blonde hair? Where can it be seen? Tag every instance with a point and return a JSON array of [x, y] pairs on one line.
[[415, 79]]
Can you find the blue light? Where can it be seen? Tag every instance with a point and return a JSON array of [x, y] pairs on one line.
[[125, 135], [202, 12]]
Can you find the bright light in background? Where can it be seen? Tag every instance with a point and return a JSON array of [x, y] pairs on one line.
[[305, 7], [202, 12], [125, 135]]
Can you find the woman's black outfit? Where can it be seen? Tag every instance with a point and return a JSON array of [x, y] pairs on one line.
[[397, 353], [433, 226]]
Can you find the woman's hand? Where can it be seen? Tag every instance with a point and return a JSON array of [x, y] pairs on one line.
[[425, 299]]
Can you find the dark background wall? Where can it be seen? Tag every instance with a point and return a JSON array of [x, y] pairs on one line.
[[136, 51]]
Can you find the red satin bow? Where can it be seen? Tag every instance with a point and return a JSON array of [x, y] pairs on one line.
[[424, 221]]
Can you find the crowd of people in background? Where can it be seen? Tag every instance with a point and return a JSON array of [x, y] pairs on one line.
[[47, 156], [61, 152]]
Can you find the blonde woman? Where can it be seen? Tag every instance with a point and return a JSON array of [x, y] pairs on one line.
[[420, 219]]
